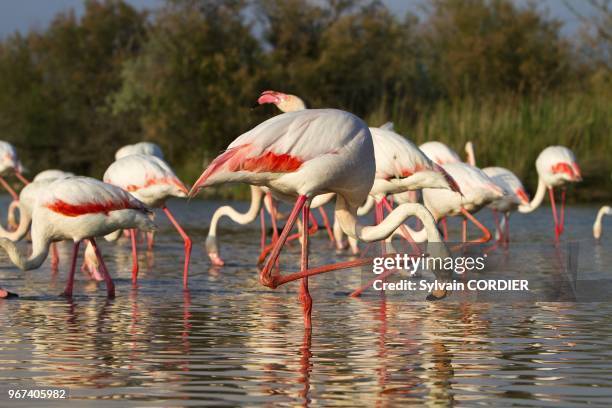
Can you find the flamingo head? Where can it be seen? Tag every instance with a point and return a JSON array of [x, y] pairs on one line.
[[523, 196], [284, 102], [568, 171]]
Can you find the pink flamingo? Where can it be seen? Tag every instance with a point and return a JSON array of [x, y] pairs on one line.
[[556, 166], [605, 210], [75, 209], [514, 196], [478, 190], [402, 167], [301, 154], [152, 181]]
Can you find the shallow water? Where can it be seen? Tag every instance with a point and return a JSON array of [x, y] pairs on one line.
[[230, 341]]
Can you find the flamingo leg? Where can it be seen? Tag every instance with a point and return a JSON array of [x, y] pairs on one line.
[[265, 274], [8, 188], [551, 193], [187, 244], [70, 284], [262, 220], [304, 296], [150, 240], [464, 230], [273, 215], [507, 217], [500, 235], [20, 176], [110, 286], [292, 237], [54, 257], [327, 225], [133, 233], [562, 221], [444, 228], [486, 235]]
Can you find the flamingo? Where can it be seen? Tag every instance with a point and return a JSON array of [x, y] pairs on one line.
[[302, 154], [556, 166], [478, 190], [152, 181], [78, 208], [605, 210], [514, 196], [400, 165], [146, 148]]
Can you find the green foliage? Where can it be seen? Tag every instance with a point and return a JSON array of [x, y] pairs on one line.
[[497, 72]]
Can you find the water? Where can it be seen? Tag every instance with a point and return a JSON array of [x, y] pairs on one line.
[[230, 341]]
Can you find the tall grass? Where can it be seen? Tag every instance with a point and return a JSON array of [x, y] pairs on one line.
[[511, 132]]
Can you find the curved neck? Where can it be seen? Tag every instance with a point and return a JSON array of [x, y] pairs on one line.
[[366, 207], [417, 236], [469, 151], [352, 227], [537, 198], [241, 218], [40, 250], [24, 224], [605, 210]]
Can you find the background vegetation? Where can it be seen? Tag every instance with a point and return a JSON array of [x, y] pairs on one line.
[[496, 72]]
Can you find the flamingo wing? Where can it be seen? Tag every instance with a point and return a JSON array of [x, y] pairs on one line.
[[138, 171], [283, 144], [73, 197]]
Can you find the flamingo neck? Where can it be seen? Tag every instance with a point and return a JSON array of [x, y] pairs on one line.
[[537, 198], [469, 151], [40, 250], [605, 210], [366, 207], [417, 236], [240, 218], [24, 223], [351, 226]]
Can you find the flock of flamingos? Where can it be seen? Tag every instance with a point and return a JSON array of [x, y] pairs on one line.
[[306, 156]]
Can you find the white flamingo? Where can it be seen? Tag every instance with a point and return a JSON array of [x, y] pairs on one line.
[[75, 209], [556, 166], [300, 155]]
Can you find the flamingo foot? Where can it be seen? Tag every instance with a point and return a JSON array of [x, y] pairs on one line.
[[5, 294]]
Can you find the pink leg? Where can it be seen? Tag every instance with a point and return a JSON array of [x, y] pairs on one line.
[[444, 228], [326, 224], [313, 221], [464, 230], [133, 233], [70, 283], [8, 188], [486, 235], [304, 296], [273, 215], [187, 244], [24, 180], [562, 221], [551, 193], [54, 257], [265, 274], [507, 218], [150, 240], [262, 221], [110, 286]]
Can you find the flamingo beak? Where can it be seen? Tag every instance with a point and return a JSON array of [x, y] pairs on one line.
[[197, 185], [522, 195]]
